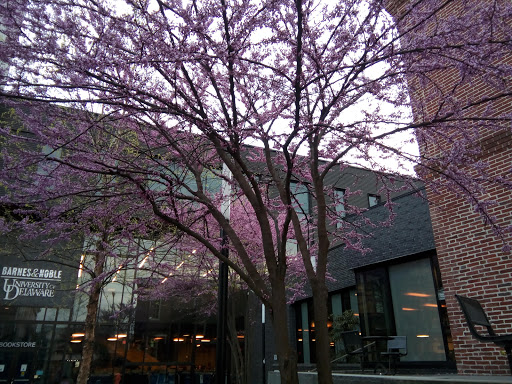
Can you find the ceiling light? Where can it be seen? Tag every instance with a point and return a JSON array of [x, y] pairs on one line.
[[417, 294]]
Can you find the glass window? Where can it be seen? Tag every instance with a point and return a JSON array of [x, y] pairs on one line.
[[46, 167], [40, 314], [337, 308], [401, 299], [63, 314], [416, 310], [375, 308], [305, 333], [339, 201], [291, 247], [51, 313], [154, 310], [301, 197], [373, 200]]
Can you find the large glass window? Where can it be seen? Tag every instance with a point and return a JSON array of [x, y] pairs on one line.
[[416, 310], [401, 299], [375, 307], [305, 323]]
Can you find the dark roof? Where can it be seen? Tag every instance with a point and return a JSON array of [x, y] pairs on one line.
[[410, 234]]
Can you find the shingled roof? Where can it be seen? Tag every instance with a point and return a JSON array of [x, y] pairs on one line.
[[410, 234]]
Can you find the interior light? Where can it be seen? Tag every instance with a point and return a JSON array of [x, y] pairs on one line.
[[81, 268], [199, 336], [121, 335], [76, 341], [143, 261], [422, 336], [158, 338], [78, 335], [417, 294], [205, 341], [207, 272], [112, 339], [408, 309], [430, 305]]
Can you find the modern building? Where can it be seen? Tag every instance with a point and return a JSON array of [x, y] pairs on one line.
[[143, 340], [394, 288]]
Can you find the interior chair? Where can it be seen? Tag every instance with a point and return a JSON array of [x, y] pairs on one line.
[[354, 346], [475, 315], [396, 348]]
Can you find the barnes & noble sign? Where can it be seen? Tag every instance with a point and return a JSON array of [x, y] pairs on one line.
[[18, 282]]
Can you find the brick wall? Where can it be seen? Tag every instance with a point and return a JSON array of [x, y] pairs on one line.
[[472, 264], [471, 259]]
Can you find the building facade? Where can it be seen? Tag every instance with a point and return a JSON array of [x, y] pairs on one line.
[[140, 339], [394, 289]]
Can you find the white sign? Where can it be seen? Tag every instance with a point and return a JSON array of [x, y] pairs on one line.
[[23, 368], [29, 282], [17, 344]]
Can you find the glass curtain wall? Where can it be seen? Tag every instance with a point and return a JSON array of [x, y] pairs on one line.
[[376, 314], [402, 299], [416, 310], [305, 324]]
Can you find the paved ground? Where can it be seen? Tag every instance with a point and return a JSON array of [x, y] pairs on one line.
[[343, 378], [420, 379]]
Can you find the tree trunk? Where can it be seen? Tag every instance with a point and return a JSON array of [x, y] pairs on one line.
[[90, 323], [237, 356], [286, 355], [323, 357]]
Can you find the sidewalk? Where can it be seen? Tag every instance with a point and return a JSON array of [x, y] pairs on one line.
[[419, 379], [352, 378]]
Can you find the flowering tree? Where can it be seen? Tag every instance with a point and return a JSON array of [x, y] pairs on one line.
[[70, 212], [284, 94]]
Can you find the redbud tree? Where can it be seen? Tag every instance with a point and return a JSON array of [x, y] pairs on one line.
[[281, 93]]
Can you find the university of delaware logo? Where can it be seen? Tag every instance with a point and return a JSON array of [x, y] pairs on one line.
[[28, 282]]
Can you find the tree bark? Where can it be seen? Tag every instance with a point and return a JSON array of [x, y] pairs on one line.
[[90, 322], [323, 357], [237, 357], [286, 355]]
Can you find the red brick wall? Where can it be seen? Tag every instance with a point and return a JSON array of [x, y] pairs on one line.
[[471, 259], [472, 264]]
